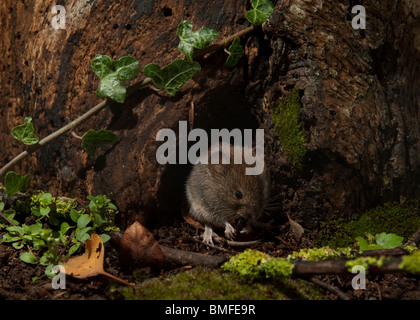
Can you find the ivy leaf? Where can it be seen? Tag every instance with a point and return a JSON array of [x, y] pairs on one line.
[[261, 11], [173, 76], [102, 65], [111, 86], [93, 139], [25, 132], [235, 53], [190, 40], [14, 183], [28, 258], [126, 68], [113, 74]]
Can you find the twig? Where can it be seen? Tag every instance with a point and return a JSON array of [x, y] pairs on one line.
[[211, 245], [7, 219], [330, 288], [181, 257]]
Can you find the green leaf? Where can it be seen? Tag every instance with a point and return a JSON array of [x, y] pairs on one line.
[[25, 132], [64, 227], [235, 53], [1, 205], [48, 271], [10, 214], [126, 68], [111, 86], [28, 258], [44, 211], [17, 245], [16, 229], [46, 199], [98, 220], [74, 248], [15, 183], [36, 228], [102, 65], [82, 234], [113, 74], [83, 221], [93, 139], [261, 11], [388, 240], [104, 237], [190, 40], [173, 76], [74, 215]]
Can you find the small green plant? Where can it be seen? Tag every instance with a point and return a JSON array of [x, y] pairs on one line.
[[379, 241], [58, 225]]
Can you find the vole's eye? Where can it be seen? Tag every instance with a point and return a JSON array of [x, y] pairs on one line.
[[238, 195]]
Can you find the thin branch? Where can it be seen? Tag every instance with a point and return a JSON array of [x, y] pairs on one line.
[[330, 288], [7, 219]]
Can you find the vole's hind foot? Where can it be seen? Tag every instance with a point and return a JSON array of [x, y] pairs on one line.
[[230, 231]]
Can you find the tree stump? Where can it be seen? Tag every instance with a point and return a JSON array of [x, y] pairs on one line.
[[359, 93]]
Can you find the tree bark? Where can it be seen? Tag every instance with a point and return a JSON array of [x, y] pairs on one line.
[[359, 92]]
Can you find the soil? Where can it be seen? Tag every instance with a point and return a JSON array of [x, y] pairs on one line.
[[16, 276]]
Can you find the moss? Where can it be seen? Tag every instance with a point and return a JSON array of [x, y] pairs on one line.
[[216, 284], [247, 264], [411, 263], [403, 220], [253, 264], [323, 253], [365, 262], [203, 284], [288, 128]]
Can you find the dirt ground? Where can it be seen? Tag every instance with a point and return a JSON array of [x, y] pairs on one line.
[[16, 276]]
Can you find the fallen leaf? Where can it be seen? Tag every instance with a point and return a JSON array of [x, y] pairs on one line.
[[190, 220], [138, 248], [91, 263], [296, 229]]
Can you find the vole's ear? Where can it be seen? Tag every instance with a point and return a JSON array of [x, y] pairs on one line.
[[218, 170]]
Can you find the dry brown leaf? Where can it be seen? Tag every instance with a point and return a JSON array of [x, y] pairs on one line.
[[190, 220], [139, 248], [296, 229], [91, 263]]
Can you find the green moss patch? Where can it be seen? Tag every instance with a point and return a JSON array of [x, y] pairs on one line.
[[411, 263], [288, 128], [203, 284], [403, 220]]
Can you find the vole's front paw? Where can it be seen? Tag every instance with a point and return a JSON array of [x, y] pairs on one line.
[[230, 231], [246, 230], [208, 235]]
